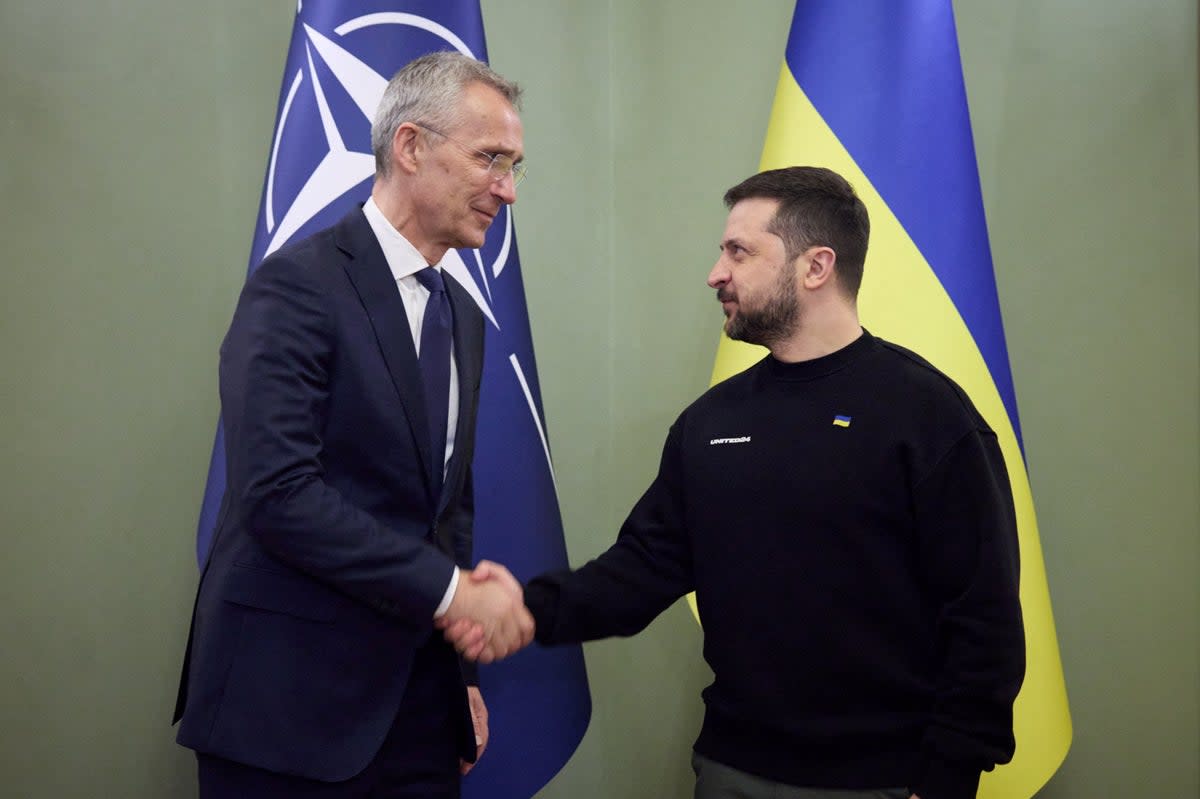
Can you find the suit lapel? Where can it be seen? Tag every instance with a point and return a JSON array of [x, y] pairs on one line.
[[376, 287]]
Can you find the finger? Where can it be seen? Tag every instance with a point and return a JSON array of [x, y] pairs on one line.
[[479, 720], [467, 644], [474, 638], [471, 639], [496, 649], [463, 630], [523, 627], [473, 651], [507, 637], [512, 643], [528, 627]]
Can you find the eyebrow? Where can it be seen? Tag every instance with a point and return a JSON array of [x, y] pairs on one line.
[[501, 150]]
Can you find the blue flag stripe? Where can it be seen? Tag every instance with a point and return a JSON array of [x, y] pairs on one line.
[[887, 78]]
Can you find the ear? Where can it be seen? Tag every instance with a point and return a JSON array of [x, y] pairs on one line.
[[405, 146], [821, 261]]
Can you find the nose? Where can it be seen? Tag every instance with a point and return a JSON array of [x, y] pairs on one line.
[[719, 275], [505, 189]]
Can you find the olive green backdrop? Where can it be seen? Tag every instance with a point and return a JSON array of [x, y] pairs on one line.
[[133, 137]]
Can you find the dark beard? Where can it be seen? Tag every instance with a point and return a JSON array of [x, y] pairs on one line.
[[772, 323]]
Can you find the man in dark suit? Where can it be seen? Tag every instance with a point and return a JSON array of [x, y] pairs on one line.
[[349, 387]]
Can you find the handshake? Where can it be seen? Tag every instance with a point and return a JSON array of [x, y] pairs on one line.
[[487, 619]]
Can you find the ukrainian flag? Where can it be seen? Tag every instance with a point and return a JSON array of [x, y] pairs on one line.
[[873, 89]]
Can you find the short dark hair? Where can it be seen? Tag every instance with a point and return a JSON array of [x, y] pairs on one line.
[[817, 208]]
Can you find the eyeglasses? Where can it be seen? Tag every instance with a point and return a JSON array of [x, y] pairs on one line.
[[499, 165]]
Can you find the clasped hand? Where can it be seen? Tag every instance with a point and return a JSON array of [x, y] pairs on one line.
[[487, 620]]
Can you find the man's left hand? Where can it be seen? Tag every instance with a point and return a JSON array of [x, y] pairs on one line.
[[479, 717]]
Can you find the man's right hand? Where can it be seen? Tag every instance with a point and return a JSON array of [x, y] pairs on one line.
[[487, 619]]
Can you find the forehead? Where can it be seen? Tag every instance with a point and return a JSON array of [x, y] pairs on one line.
[[750, 217], [489, 121]]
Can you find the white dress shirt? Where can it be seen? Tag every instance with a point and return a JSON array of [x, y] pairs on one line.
[[405, 261]]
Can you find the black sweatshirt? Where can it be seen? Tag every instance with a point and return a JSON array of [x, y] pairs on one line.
[[847, 525]]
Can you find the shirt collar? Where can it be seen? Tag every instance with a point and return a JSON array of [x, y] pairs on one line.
[[402, 257]]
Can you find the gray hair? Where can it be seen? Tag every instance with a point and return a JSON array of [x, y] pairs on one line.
[[427, 90]]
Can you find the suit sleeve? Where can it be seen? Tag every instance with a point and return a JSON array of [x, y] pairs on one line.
[[967, 538], [639, 576], [275, 371], [461, 521]]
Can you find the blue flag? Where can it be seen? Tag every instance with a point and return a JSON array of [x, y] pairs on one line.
[[320, 165]]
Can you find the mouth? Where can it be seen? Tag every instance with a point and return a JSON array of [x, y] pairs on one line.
[[485, 215], [728, 302]]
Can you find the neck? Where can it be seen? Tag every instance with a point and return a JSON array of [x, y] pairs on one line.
[[821, 331], [393, 203]]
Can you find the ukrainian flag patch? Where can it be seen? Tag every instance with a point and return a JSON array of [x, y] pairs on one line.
[[841, 421]]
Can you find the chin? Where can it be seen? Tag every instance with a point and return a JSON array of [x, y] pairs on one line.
[[477, 237], [469, 242], [737, 332]]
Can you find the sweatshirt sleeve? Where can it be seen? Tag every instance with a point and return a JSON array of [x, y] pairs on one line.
[[639, 576], [967, 539]]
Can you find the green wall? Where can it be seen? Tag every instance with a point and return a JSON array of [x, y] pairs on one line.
[[134, 136]]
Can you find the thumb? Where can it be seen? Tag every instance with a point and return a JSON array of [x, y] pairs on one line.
[[485, 570]]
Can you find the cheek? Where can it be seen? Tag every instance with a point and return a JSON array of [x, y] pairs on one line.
[[744, 285], [483, 194]]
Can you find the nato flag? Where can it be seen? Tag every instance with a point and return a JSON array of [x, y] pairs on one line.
[[319, 165]]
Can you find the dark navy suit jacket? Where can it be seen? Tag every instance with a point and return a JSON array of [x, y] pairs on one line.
[[331, 552]]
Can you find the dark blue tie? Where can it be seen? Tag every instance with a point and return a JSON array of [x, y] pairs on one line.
[[435, 365]]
